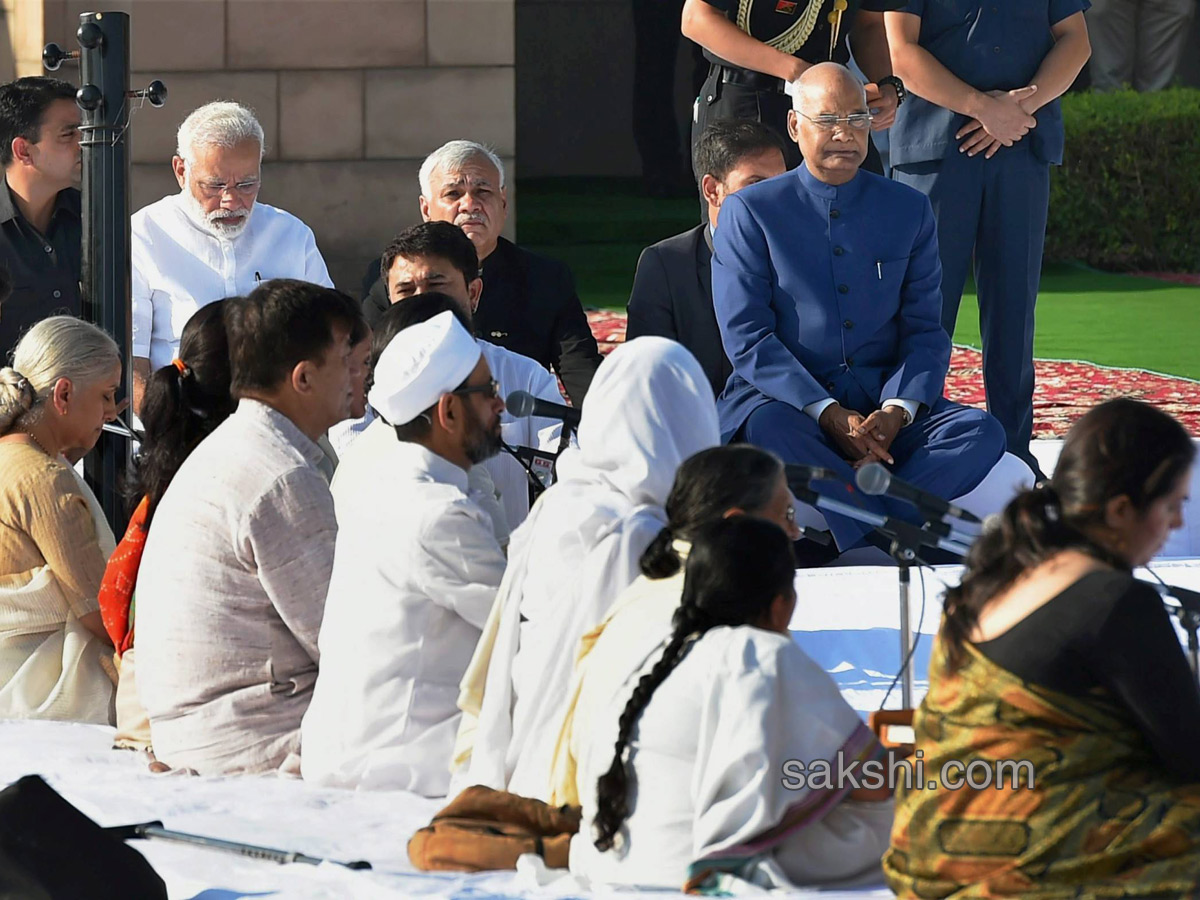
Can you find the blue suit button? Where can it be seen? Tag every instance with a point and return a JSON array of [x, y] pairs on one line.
[[833, 214], [848, 324], [838, 251], [995, 49], [843, 289], [849, 360]]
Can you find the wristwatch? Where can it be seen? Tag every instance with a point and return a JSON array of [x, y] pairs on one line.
[[895, 82], [908, 419]]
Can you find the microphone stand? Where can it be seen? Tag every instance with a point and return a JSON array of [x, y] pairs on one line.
[[906, 541], [146, 830], [1188, 613]]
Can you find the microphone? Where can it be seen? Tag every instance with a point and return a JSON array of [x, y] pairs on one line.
[[523, 403], [798, 474], [875, 479]]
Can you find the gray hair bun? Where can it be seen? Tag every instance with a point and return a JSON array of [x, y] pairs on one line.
[[17, 397]]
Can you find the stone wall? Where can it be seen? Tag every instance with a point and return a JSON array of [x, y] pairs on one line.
[[352, 94]]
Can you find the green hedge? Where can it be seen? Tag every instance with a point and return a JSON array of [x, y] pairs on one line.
[[1128, 194]]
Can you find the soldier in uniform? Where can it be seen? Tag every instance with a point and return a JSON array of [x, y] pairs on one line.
[[979, 138], [757, 46]]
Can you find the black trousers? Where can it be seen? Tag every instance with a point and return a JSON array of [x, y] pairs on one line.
[[719, 100], [655, 123]]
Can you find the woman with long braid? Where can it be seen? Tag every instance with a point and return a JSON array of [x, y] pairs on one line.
[[696, 792], [715, 483]]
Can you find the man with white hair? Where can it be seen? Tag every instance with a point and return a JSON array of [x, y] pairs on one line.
[[529, 304], [211, 240], [826, 286]]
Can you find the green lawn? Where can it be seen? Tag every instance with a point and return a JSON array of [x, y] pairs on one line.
[[599, 227]]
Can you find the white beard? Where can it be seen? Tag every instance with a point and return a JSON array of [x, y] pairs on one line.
[[213, 222]]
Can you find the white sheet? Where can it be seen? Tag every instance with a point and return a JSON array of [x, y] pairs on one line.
[[114, 787]]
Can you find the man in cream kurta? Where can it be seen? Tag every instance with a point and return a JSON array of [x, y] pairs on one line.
[[415, 572]]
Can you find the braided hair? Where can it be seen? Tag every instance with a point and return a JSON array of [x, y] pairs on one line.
[[736, 569], [706, 485], [184, 403], [1119, 448]]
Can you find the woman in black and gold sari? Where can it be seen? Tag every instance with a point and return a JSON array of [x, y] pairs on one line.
[[1050, 651]]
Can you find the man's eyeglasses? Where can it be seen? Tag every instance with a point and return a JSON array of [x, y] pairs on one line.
[[828, 123], [490, 389], [217, 188]]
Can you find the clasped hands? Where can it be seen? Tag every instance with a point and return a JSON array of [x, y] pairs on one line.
[[863, 439], [1007, 116], [882, 104]]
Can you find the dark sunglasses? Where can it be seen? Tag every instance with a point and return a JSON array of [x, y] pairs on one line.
[[490, 389]]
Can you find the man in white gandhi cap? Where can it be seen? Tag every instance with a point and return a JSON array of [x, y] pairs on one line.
[[415, 570]]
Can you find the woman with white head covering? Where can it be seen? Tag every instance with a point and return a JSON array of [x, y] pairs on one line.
[[648, 409]]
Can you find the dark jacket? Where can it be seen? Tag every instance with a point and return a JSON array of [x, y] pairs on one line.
[[529, 306], [672, 298], [42, 270]]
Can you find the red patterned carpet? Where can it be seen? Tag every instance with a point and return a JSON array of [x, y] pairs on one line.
[[1065, 390]]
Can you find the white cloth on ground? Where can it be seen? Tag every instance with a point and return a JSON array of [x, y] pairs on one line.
[[649, 408], [414, 575], [708, 757], [179, 266], [230, 595]]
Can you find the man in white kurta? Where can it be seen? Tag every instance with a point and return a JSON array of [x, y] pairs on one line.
[[212, 239], [415, 572], [438, 257]]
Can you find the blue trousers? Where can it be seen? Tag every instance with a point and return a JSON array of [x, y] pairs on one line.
[[946, 451], [994, 209]]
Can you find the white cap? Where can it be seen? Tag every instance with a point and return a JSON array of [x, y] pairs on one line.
[[419, 365]]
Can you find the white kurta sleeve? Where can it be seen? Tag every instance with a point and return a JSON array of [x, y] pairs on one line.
[[315, 269], [141, 305], [482, 489], [462, 564]]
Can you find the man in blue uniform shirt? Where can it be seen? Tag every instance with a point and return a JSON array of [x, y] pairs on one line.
[[978, 135], [826, 284]]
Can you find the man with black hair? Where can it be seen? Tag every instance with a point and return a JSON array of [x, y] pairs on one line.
[[672, 289], [40, 226], [237, 566], [436, 257]]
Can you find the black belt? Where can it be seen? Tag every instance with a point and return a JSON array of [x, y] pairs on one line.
[[759, 81]]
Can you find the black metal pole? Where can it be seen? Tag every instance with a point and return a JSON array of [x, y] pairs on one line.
[[103, 97]]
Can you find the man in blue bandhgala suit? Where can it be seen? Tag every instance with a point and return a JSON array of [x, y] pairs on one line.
[[827, 289]]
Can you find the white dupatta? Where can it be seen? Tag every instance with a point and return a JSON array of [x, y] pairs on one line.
[[648, 409]]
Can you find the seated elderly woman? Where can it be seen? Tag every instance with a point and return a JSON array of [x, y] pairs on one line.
[[184, 402], [53, 648], [710, 485], [1050, 653], [695, 791]]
